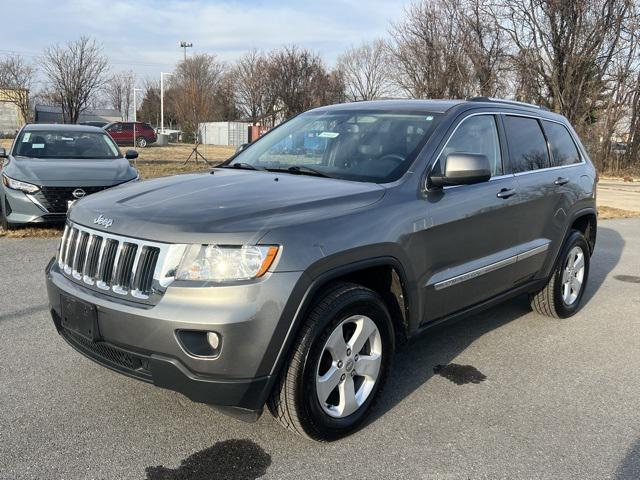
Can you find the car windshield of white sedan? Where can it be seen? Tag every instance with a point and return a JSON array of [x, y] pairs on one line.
[[65, 144], [362, 146]]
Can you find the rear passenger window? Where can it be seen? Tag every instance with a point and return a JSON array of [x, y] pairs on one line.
[[527, 145], [477, 134], [563, 149]]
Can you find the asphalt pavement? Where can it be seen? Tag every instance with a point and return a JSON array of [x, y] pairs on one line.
[[516, 396]]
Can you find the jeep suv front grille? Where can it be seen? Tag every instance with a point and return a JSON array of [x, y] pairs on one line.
[[116, 265]]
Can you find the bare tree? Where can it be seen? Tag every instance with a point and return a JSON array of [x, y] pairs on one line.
[[365, 71], [568, 46], [483, 44], [195, 81], [254, 93], [301, 82], [428, 53], [119, 91], [76, 72], [16, 80]]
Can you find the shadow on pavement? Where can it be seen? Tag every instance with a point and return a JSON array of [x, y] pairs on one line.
[[415, 362], [609, 246], [228, 460], [629, 469]]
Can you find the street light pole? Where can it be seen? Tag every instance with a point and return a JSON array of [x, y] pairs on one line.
[[184, 45], [162, 74]]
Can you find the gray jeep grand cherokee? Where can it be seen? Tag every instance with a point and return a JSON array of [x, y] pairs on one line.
[[287, 275]]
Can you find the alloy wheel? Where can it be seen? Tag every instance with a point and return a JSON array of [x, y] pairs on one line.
[[573, 275], [349, 366]]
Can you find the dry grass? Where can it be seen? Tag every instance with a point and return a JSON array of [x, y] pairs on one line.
[[610, 213], [32, 232]]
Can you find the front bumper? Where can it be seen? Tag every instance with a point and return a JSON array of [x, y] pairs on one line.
[[22, 209], [140, 340]]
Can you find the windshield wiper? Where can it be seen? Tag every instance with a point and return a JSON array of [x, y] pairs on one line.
[[302, 170], [245, 166]]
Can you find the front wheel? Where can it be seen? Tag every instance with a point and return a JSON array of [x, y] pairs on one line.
[[141, 142], [339, 365], [562, 295]]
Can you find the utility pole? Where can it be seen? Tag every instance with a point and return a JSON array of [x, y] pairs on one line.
[[184, 45], [162, 74], [135, 115]]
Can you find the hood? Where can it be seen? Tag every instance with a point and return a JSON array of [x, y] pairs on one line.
[[69, 171], [228, 206]]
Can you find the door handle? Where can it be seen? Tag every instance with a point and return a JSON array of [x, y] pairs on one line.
[[561, 181], [506, 193]]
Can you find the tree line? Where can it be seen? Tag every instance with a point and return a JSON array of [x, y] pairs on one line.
[[576, 57]]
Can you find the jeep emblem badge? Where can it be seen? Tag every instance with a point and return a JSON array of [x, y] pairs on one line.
[[104, 221]]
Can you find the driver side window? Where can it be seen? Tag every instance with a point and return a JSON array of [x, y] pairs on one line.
[[479, 135]]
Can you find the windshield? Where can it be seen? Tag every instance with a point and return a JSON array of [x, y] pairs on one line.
[[362, 146], [65, 144]]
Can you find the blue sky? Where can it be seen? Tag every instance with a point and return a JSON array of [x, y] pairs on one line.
[[143, 35]]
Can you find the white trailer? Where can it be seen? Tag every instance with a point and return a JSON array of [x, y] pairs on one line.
[[224, 133]]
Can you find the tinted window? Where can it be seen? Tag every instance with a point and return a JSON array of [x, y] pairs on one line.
[[477, 134], [127, 126], [563, 150], [61, 144], [527, 145], [367, 146]]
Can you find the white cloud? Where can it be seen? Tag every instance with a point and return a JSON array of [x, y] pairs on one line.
[[144, 32]]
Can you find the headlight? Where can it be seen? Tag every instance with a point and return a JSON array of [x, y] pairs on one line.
[[219, 263], [18, 185]]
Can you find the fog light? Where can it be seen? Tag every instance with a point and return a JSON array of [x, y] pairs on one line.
[[200, 342], [214, 340]]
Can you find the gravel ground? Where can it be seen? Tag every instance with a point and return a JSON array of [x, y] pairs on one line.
[[517, 396]]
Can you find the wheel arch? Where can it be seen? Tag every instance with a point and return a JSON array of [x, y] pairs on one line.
[[399, 298]]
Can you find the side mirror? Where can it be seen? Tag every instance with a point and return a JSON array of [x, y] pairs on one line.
[[3, 153], [463, 169], [242, 147], [131, 155]]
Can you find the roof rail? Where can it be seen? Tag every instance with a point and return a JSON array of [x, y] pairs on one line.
[[510, 102]]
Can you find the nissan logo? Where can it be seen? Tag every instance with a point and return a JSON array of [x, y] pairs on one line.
[[78, 193]]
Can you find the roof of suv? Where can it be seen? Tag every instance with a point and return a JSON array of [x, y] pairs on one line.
[[65, 127], [436, 106]]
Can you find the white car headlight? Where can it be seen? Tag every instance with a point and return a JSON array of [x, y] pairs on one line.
[[221, 263], [18, 185]]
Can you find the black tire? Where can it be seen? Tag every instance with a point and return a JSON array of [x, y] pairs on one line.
[[141, 142], [549, 301], [294, 401]]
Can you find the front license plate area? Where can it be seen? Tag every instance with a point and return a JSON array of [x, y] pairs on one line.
[[80, 317]]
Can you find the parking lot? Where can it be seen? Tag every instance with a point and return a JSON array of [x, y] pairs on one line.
[[550, 399]]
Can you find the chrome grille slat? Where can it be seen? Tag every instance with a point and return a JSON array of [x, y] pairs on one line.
[[122, 276], [106, 272], [95, 242], [73, 237], [118, 266], [80, 255], [63, 246]]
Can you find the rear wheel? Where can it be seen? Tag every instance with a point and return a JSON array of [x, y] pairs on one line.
[[338, 367], [141, 142], [561, 297]]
